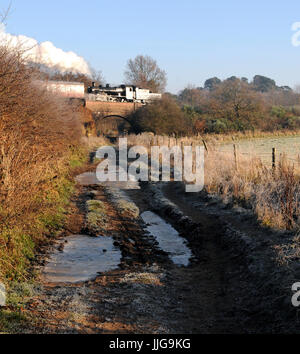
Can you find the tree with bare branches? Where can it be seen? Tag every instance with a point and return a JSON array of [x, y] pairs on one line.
[[144, 72]]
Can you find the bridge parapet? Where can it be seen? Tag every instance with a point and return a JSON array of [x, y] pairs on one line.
[[112, 108]]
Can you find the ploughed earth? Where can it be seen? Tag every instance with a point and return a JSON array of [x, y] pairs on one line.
[[150, 258]]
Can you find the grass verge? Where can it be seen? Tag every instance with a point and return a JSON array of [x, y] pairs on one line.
[[20, 239]]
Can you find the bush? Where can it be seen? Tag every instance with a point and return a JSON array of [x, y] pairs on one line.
[[163, 117], [218, 126], [278, 111], [40, 135]]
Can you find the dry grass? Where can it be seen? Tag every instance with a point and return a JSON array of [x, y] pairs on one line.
[[148, 139], [274, 195], [93, 142]]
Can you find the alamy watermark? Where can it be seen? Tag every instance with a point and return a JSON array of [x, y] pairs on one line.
[[296, 35], [2, 295], [153, 165]]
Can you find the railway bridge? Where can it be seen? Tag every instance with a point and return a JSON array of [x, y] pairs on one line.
[[112, 108], [111, 117]]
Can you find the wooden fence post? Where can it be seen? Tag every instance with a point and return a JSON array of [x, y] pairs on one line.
[[193, 157], [204, 143], [182, 147], [235, 157], [273, 158]]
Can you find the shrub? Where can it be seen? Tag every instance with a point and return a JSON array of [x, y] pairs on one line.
[[40, 136], [160, 117]]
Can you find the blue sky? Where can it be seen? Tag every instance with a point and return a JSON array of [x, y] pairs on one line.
[[191, 39]]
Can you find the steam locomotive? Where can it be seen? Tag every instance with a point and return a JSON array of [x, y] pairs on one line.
[[122, 93]]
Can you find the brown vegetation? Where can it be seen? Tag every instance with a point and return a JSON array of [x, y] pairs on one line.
[[243, 180], [160, 117], [273, 195], [40, 138], [87, 120]]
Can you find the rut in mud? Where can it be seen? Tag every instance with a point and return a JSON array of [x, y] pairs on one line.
[[148, 293], [156, 287], [208, 304]]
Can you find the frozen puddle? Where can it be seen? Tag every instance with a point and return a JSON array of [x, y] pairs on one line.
[[82, 258], [168, 238], [90, 178], [87, 178]]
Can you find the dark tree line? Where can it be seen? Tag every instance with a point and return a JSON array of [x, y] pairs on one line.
[[234, 104]]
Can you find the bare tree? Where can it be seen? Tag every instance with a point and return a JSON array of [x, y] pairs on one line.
[[144, 72], [97, 77], [4, 14], [297, 89]]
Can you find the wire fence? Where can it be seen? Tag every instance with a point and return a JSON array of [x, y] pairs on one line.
[[272, 157]]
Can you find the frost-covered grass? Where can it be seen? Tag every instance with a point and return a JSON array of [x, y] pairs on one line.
[[247, 178], [127, 209], [96, 219], [274, 195]]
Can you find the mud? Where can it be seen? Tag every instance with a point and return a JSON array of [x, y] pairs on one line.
[[235, 281]]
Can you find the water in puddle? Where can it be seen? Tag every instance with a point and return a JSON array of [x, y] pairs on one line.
[[82, 259], [168, 238], [90, 178], [87, 178]]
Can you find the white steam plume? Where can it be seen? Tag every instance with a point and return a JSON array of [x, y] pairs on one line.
[[46, 54]]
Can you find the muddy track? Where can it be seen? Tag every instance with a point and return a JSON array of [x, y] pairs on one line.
[[253, 261], [209, 302], [148, 293]]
